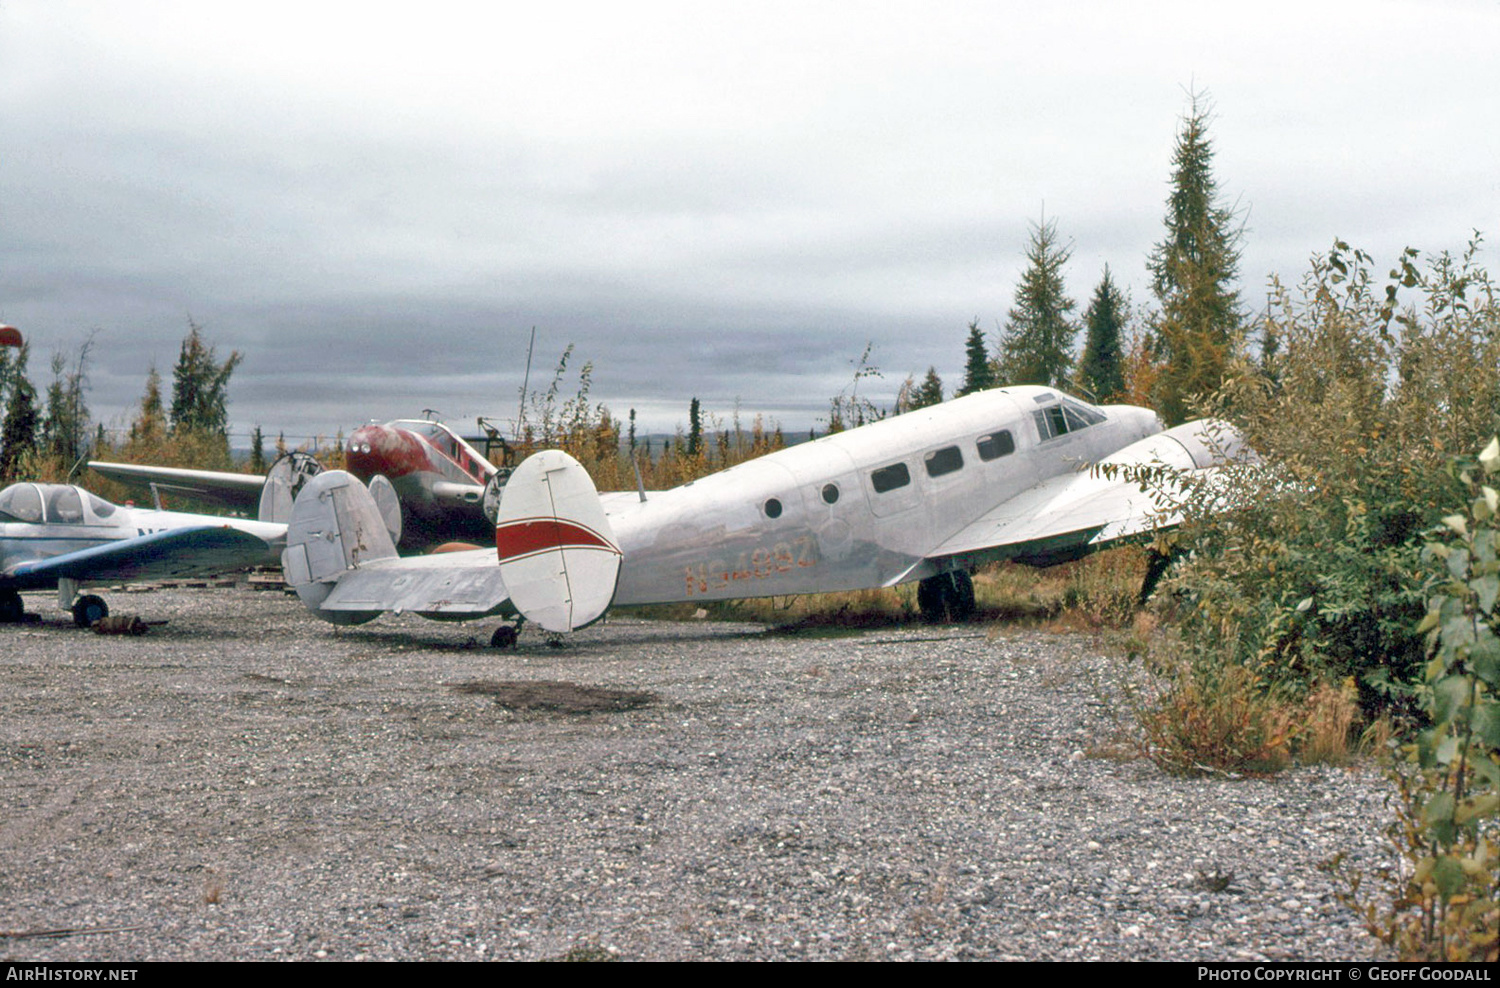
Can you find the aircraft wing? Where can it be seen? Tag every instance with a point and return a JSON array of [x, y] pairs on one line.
[[463, 584], [239, 491], [1072, 514], [180, 552]]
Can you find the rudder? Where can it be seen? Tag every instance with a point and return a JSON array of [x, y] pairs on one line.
[[558, 554]]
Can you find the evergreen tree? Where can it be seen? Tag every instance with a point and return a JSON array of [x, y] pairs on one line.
[[18, 434], [149, 430], [979, 373], [695, 428], [65, 427], [1038, 343], [1101, 371], [929, 392], [1198, 328], [200, 387], [257, 451]]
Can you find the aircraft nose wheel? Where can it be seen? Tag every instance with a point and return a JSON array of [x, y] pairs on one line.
[[947, 596], [88, 609], [12, 608]]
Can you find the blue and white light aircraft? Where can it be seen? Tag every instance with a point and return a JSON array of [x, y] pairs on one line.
[[58, 535]]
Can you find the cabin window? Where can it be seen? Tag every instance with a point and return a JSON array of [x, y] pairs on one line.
[[1059, 420], [943, 461], [1050, 422], [831, 493], [891, 477], [100, 507], [996, 445], [772, 508], [1081, 416], [21, 502], [64, 506]]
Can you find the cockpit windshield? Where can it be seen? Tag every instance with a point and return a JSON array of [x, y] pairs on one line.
[[443, 439], [21, 502], [54, 504]]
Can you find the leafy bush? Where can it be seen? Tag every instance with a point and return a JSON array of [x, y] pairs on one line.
[[1305, 565], [1444, 898]]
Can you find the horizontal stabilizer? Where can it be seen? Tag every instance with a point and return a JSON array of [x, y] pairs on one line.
[[458, 585]]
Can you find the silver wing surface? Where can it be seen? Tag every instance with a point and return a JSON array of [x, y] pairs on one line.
[[239, 491], [180, 552], [1075, 513]]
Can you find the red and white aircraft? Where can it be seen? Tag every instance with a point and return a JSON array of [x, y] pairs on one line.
[[926, 496], [438, 478]]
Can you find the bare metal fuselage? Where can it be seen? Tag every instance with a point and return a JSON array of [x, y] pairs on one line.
[[810, 518]]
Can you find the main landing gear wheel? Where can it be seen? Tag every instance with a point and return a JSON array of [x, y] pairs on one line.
[[505, 637], [88, 609], [947, 596], [12, 608]]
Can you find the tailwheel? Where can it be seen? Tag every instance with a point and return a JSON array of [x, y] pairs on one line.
[[88, 609], [12, 608]]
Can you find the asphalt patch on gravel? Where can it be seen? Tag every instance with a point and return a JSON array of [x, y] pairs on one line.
[[559, 697]]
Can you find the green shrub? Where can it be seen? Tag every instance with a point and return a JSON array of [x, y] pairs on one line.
[[1444, 898], [1305, 565]]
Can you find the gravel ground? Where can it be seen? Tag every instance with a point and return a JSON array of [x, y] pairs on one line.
[[245, 782]]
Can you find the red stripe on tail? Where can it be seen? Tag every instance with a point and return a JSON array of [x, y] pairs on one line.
[[529, 536]]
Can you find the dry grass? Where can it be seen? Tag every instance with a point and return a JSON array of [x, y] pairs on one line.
[[1201, 715], [1094, 593]]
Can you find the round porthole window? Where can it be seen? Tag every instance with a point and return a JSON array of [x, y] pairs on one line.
[[773, 508], [831, 493]]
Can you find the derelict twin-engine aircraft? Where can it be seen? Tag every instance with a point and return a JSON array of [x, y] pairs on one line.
[[438, 478], [925, 496], [57, 535]]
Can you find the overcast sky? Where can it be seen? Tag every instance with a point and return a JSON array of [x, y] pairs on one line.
[[376, 202]]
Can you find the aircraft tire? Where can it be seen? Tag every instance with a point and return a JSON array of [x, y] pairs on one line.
[[946, 597], [961, 603], [504, 637], [88, 609], [12, 607], [932, 599]]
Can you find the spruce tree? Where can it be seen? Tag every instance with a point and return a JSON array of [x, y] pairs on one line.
[[1038, 343], [979, 373], [695, 428], [1101, 371], [1199, 326], [929, 392], [18, 434], [200, 387], [65, 426], [257, 451]]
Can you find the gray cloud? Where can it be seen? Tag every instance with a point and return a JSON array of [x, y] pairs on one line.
[[376, 209]]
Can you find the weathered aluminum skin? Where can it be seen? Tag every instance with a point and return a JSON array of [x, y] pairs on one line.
[[821, 516], [714, 540]]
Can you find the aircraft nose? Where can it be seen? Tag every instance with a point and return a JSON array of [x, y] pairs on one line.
[[362, 455]]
